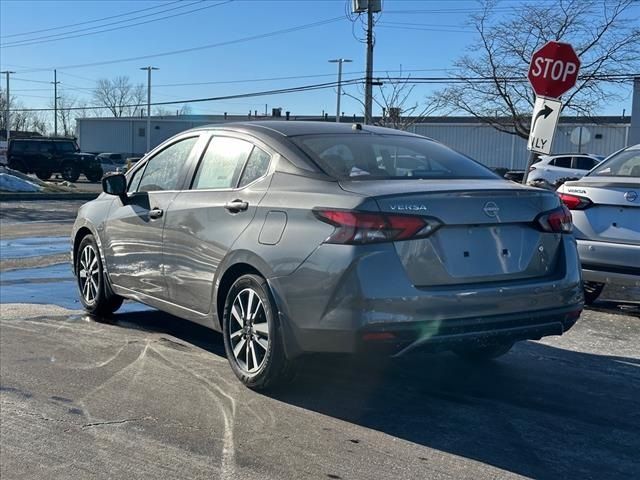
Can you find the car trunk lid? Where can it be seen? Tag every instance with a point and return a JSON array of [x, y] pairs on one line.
[[487, 229], [614, 212]]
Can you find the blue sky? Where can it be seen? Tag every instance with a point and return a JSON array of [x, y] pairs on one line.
[[424, 43]]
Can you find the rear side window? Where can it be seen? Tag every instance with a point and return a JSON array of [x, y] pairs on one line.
[[583, 163], [564, 162], [257, 166], [162, 171], [368, 157], [222, 163]]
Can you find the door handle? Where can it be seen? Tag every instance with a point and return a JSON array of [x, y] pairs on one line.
[[236, 206], [156, 213]]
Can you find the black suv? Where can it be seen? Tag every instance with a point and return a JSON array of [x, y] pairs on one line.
[[45, 156]]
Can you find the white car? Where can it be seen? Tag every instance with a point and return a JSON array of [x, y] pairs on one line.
[[552, 168], [605, 205]]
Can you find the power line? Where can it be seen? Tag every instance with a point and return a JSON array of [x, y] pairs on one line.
[[303, 88], [64, 36], [62, 27], [194, 49]]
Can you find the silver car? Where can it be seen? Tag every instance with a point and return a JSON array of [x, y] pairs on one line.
[[606, 212], [297, 237]]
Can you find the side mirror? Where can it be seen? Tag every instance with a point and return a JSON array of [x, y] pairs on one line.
[[114, 184]]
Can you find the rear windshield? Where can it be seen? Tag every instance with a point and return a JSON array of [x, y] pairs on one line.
[[623, 164], [362, 156]]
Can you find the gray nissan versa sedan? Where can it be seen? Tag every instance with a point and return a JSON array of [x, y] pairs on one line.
[[297, 237]]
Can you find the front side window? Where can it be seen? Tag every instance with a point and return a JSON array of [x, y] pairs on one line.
[[369, 157], [162, 171], [222, 163], [66, 147]]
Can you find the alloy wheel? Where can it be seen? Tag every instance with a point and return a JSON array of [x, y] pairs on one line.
[[89, 274], [249, 331]]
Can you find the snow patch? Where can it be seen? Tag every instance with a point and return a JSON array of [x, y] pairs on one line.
[[11, 183]]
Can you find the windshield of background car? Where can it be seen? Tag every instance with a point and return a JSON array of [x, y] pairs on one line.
[[368, 157], [624, 164]]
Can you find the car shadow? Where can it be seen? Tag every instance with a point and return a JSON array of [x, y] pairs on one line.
[[540, 411]]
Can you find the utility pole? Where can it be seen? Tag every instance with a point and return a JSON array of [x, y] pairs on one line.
[[371, 7], [148, 69], [7, 114], [339, 61], [55, 103], [368, 87]]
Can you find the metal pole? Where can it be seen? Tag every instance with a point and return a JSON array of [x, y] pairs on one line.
[[339, 61], [7, 113], [55, 103], [532, 159], [368, 87], [148, 69], [339, 90], [148, 109]]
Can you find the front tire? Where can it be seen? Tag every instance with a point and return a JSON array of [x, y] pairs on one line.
[[483, 353], [592, 291], [95, 296], [44, 174], [70, 172], [252, 337], [94, 176]]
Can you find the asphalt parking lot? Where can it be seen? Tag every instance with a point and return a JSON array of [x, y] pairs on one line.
[[152, 396]]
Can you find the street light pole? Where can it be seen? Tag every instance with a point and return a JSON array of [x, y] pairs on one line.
[[368, 84], [55, 102], [148, 69], [7, 114], [339, 61]]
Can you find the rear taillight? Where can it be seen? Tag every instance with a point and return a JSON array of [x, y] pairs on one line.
[[574, 202], [353, 227], [557, 221]]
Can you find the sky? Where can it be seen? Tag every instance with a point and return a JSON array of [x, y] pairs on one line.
[[419, 37]]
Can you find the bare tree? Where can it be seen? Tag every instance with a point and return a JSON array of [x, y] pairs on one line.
[[395, 97], [492, 85], [120, 96], [21, 120], [69, 109]]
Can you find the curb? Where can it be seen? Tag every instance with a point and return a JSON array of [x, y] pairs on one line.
[[17, 196]]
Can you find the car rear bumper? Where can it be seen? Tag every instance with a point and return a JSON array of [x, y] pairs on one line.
[[606, 262], [333, 303]]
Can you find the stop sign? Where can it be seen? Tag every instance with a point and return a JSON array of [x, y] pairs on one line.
[[553, 69]]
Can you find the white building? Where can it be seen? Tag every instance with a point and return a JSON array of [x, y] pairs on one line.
[[599, 135]]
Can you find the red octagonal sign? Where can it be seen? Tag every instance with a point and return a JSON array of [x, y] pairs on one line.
[[553, 69]]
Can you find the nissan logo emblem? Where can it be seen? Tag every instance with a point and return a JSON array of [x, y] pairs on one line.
[[631, 196], [491, 209]]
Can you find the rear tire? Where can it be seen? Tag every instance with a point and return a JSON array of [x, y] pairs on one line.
[[44, 174], [483, 353], [252, 337], [70, 172], [592, 291], [96, 297], [94, 176]]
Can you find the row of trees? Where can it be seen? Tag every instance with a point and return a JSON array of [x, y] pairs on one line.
[[116, 97], [489, 83]]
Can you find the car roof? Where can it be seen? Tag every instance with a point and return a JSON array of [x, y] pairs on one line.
[[292, 128]]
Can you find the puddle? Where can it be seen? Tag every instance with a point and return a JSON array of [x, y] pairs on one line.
[[33, 247], [52, 285]]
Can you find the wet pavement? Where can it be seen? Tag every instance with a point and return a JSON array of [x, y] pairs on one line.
[[152, 396]]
